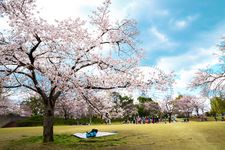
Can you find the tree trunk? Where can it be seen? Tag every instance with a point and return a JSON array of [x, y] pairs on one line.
[[90, 120], [66, 116], [48, 124], [188, 116], [197, 112], [170, 117], [222, 117]]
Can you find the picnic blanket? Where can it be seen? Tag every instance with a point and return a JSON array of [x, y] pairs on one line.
[[99, 134]]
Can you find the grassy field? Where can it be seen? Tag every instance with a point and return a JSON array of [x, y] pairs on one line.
[[185, 136]]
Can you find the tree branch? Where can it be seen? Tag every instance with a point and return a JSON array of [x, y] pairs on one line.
[[108, 88]]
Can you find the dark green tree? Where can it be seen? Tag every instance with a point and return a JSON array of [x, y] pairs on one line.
[[147, 106], [217, 105], [35, 105], [143, 99], [125, 103]]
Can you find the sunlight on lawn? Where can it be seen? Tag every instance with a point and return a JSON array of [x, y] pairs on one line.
[[194, 135]]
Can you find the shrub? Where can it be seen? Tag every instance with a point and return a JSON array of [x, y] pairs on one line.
[[38, 121]]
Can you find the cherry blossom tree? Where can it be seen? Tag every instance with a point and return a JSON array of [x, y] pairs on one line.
[[51, 58], [116, 110], [7, 106], [84, 57], [4, 106], [199, 104], [169, 107], [185, 105], [212, 80], [5, 103], [65, 108], [168, 104], [151, 108]]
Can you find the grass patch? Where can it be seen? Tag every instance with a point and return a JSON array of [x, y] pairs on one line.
[[63, 141], [190, 136]]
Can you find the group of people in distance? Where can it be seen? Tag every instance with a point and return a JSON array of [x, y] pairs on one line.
[[143, 120]]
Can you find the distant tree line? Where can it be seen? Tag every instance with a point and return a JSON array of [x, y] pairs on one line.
[[125, 108]]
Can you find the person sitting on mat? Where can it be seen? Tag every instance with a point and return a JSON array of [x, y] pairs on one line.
[[92, 133]]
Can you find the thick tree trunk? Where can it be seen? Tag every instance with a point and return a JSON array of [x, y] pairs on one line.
[[48, 124]]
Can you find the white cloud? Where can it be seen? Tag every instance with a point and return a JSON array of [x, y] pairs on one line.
[[197, 58], [138, 9], [159, 35], [57, 9], [163, 12], [183, 23], [157, 40], [186, 65]]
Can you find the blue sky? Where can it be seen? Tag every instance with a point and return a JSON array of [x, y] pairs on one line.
[[177, 25], [179, 35]]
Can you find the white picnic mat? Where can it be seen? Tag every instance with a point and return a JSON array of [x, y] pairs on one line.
[[99, 134]]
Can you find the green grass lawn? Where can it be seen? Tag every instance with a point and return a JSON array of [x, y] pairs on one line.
[[175, 136]]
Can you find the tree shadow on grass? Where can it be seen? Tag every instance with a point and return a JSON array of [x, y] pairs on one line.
[[66, 141], [100, 142]]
